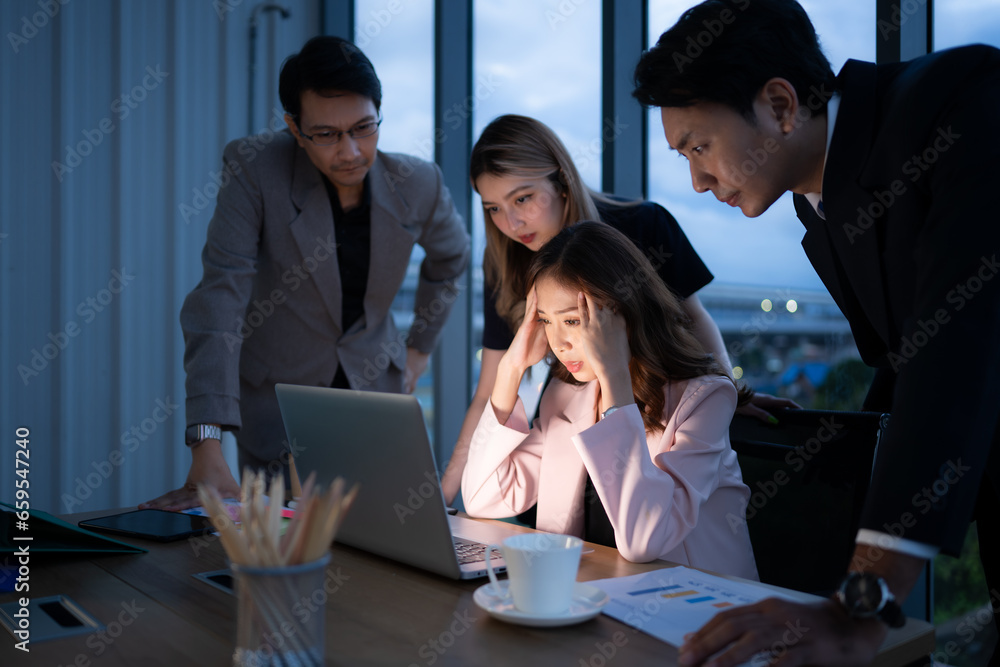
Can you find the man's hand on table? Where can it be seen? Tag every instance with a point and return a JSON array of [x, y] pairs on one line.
[[208, 467], [819, 633]]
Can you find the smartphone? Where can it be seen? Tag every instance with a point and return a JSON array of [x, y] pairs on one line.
[[159, 525]]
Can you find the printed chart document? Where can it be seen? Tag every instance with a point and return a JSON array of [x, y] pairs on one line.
[[674, 601]]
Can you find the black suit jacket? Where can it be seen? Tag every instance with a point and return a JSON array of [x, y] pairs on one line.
[[909, 250]]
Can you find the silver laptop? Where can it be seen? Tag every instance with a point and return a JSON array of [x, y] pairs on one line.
[[380, 441]]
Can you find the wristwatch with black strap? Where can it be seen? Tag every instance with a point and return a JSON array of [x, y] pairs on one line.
[[198, 432], [866, 595]]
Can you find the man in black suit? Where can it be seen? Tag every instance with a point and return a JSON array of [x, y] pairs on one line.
[[891, 167]]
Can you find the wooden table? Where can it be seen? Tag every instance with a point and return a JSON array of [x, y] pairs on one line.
[[379, 613]]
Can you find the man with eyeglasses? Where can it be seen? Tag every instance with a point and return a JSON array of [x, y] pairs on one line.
[[308, 247]]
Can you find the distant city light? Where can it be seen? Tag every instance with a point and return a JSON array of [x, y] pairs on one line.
[[479, 354], [791, 306], [765, 305], [737, 372]]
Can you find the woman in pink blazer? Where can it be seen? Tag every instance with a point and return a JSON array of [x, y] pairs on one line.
[[631, 448]]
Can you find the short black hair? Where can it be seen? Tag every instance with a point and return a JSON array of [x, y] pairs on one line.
[[327, 63], [724, 51]]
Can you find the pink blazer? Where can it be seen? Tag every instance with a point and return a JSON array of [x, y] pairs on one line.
[[677, 495]]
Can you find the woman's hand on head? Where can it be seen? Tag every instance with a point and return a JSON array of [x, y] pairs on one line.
[[604, 337], [530, 344]]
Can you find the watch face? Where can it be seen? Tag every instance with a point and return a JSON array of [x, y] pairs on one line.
[[863, 593]]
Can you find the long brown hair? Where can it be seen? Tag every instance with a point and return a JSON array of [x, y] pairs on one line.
[[598, 260], [514, 145]]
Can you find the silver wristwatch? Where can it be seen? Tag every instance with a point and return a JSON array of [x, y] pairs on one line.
[[866, 595], [198, 432]]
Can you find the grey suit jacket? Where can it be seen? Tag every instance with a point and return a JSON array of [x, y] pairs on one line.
[[268, 307]]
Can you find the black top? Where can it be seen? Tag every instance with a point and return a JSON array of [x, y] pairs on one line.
[[655, 232], [597, 526], [352, 230]]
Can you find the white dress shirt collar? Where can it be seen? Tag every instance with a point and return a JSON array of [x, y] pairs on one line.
[[816, 198]]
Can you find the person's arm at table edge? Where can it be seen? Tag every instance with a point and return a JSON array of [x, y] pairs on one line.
[[208, 467], [833, 638], [451, 481], [231, 241]]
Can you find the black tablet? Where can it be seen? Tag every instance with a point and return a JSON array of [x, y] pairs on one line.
[[158, 525]]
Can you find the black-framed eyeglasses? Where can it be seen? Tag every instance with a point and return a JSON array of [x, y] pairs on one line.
[[331, 137]]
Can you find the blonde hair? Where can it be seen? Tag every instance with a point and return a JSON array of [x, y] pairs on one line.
[[514, 145]]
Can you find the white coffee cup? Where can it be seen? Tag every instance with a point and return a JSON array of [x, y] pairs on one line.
[[541, 571]]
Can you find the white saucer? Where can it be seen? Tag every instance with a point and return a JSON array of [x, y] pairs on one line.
[[587, 603]]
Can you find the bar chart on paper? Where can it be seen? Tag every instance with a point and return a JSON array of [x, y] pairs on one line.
[[672, 602]]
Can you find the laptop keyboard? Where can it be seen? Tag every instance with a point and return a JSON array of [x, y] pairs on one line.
[[469, 551]]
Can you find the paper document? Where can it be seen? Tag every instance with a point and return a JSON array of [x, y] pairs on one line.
[[674, 601]]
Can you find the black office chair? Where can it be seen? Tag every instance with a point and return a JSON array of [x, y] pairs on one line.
[[808, 477]]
